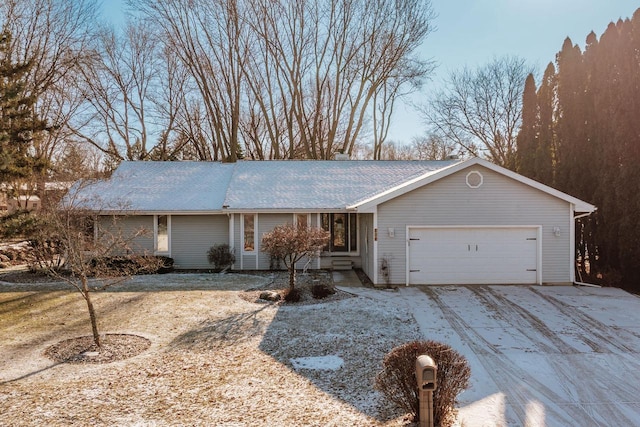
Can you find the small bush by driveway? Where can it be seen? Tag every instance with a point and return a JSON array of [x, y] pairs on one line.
[[539, 356]]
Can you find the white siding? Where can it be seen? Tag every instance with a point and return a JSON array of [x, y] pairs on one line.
[[127, 226], [193, 235], [499, 201]]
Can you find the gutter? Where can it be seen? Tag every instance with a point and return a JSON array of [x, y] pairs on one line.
[[582, 215]]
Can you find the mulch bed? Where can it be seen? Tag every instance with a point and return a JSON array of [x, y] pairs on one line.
[[83, 349], [279, 282]]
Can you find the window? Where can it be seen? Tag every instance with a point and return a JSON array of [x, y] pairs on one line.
[[249, 232], [474, 179], [343, 228], [162, 234], [301, 220]]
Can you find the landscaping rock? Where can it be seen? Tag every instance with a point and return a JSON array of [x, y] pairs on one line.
[[270, 296]]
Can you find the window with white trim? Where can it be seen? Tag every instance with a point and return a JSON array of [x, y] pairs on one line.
[[301, 220], [249, 232], [162, 224]]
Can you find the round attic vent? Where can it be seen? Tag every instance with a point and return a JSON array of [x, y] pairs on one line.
[[474, 179]]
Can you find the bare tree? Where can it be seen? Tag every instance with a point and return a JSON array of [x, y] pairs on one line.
[[117, 81], [290, 243], [427, 147], [480, 110], [282, 79], [208, 37], [73, 246], [433, 147], [334, 67]]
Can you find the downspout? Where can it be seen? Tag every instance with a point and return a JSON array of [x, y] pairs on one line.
[[319, 225], [376, 264]]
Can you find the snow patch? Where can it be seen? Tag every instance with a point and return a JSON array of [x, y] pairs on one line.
[[326, 363]]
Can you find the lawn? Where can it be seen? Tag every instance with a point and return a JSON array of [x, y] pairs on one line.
[[215, 358]]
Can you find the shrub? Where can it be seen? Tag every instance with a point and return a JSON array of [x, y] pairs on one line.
[[165, 264], [131, 265], [292, 295], [322, 290], [221, 256], [397, 379], [290, 243]]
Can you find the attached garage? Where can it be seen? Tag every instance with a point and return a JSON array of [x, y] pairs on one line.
[[474, 255], [472, 223]]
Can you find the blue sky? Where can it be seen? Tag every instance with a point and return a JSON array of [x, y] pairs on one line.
[[472, 32]]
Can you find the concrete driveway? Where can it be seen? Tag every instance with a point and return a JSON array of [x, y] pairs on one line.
[[540, 356]]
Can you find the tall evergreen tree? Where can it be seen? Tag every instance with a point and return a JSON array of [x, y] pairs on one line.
[[527, 140], [18, 122], [546, 149], [570, 123], [589, 138]]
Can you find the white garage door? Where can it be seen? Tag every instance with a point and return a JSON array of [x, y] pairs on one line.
[[491, 255]]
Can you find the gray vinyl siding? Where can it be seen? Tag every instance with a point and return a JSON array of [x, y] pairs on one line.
[[499, 201], [193, 235], [127, 227], [266, 223], [366, 244], [313, 222]]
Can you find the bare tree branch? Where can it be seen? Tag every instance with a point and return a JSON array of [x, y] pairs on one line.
[[480, 110]]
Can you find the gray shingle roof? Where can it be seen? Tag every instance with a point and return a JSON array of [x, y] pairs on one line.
[[252, 185], [287, 184], [163, 186]]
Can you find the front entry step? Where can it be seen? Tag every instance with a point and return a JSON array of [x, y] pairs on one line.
[[341, 264]]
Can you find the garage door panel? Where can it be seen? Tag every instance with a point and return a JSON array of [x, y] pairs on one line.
[[473, 255]]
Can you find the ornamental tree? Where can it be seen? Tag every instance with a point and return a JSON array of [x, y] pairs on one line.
[[75, 244], [291, 243]]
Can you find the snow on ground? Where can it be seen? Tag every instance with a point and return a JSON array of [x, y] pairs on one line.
[[322, 363], [539, 356], [215, 358]]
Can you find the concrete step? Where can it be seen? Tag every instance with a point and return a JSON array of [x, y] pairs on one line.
[[341, 264]]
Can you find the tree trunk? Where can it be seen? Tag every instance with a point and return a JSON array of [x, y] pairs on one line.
[[92, 313], [292, 277]]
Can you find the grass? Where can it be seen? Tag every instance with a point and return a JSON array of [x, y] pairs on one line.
[[215, 358]]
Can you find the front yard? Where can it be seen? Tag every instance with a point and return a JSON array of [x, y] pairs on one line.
[[215, 358]]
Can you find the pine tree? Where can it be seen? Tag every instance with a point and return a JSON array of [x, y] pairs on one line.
[[547, 143], [527, 140], [19, 125], [570, 123]]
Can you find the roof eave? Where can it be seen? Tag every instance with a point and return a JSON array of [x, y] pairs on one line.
[[289, 210], [138, 212], [370, 204]]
